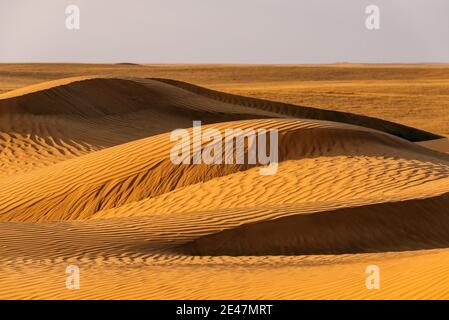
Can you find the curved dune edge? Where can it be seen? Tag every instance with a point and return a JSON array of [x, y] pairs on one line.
[[333, 181], [59, 120], [175, 238], [90, 96], [80, 187], [100, 96], [47, 85], [394, 226], [405, 132]]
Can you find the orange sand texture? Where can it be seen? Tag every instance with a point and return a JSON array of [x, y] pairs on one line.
[[86, 179]]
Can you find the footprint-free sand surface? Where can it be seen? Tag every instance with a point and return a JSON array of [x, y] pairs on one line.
[[86, 179]]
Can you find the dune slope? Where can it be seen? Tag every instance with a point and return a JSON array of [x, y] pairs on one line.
[[47, 123], [81, 187], [58, 120]]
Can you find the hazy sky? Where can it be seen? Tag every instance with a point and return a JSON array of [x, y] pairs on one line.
[[224, 31]]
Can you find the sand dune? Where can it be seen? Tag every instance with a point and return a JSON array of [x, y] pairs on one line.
[[402, 131], [86, 178], [46, 123], [53, 121], [392, 226], [81, 187]]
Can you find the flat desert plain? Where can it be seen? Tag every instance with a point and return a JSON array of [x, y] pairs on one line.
[[86, 180]]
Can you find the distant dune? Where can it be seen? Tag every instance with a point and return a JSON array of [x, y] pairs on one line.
[[127, 64], [86, 178]]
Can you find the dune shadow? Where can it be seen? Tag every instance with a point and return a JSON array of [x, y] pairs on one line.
[[383, 227]]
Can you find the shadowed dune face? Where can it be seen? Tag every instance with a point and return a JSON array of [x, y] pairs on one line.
[[101, 96], [393, 226], [93, 97], [86, 177], [405, 132]]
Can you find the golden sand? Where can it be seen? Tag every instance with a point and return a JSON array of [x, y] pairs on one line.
[[86, 179]]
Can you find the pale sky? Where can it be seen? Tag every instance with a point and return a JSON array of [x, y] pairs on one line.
[[224, 31]]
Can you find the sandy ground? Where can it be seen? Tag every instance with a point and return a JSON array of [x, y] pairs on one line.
[[86, 179]]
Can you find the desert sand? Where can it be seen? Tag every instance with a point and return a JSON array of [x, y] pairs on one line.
[[86, 179]]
